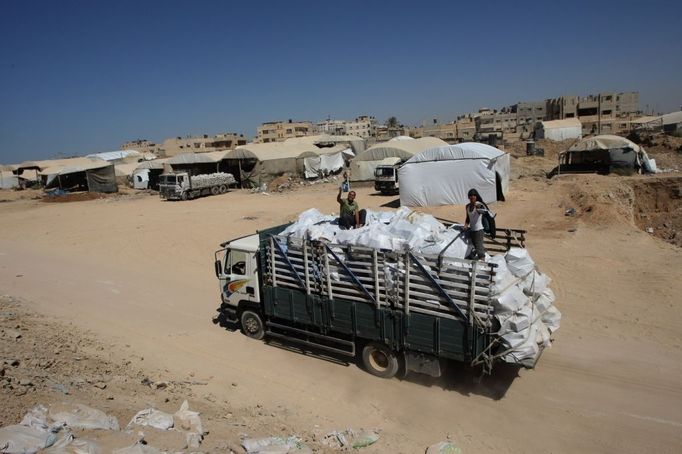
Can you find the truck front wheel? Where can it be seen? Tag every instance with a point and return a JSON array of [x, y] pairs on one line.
[[379, 360], [252, 325], [184, 196]]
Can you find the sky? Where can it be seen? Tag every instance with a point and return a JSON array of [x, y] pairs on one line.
[[80, 77]]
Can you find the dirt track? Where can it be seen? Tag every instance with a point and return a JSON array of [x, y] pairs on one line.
[[138, 272]]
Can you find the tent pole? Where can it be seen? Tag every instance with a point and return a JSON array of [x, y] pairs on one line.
[[241, 182]]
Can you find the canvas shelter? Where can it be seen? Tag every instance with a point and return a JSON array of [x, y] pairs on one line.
[[444, 175], [558, 130], [324, 161], [363, 164], [30, 170], [146, 174], [8, 180], [196, 163], [81, 174], [605, 154]]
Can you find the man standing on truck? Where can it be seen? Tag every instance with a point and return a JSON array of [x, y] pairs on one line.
[[350, 214], [475, 211]]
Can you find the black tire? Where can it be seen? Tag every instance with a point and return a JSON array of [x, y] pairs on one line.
[[379, 360], [184, 196], [223, 189], [215, 190], [252, 325]]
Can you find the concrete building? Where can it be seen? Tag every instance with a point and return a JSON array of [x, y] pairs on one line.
[[363, 126], [603, 113], [201, 144], [279, 131], [144, 146]]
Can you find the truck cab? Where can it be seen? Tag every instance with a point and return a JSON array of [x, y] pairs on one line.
[[236, 267], [386, 179], [174, 186]]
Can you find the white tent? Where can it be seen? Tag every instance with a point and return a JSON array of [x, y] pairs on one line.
[[444, 175], [326, 161], [8, 180], [558, 130], [117, 156], [363, 165]]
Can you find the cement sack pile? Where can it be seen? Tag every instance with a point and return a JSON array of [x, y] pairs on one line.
[[213, 179], [522, 301]]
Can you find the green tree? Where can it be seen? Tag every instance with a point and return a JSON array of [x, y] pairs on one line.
[[392, 122]]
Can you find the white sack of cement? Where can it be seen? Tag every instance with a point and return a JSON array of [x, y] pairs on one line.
[[519, 262], [81, 416]]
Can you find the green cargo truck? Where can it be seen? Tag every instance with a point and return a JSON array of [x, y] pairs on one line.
[[394, 311]]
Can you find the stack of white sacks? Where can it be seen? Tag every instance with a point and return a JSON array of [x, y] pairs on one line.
[[213, 179], [523, 303]]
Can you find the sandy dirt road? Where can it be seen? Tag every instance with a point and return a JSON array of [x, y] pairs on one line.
[[138, 272]]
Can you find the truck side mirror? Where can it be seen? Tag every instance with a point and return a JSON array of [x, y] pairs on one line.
[[218, 268]]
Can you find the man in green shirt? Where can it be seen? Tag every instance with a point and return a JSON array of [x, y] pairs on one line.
[[350, 216]]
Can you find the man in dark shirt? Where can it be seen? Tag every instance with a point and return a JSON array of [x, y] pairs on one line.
[[350, 214]]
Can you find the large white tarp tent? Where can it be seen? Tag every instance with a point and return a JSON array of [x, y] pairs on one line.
[[558, 130], [363, 165], [117, 156], [258, 163], [444, 175]]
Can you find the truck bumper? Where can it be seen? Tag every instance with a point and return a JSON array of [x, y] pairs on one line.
[[229, 312]]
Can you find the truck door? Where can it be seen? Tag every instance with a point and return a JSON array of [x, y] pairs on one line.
[[240, 277]]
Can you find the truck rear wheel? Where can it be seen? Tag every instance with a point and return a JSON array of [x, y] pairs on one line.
[[222, 189], [252, 325], [215, 190], [379, 360]]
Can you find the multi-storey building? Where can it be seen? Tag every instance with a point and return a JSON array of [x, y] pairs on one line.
[[279, 131], [144, 146], [604, 113], [363, 126], [201, 144]]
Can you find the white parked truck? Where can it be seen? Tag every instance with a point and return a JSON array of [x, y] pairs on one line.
[[386, 179], [183, 186]]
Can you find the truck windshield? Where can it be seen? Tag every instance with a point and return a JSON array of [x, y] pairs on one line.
[[168, 179], [235, 262], [384, 172]]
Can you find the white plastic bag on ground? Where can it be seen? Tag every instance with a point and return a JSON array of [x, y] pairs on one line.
[[152, 417], [444, 447], [137, 448], [68, 444], [350, 438], [189, 420], [18, 439], [83, 417], [275, 445]]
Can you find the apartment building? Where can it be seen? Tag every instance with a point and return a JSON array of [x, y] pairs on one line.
[[144, 146], [603, 113], [279, 131], [202, 144], [363, 126]]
